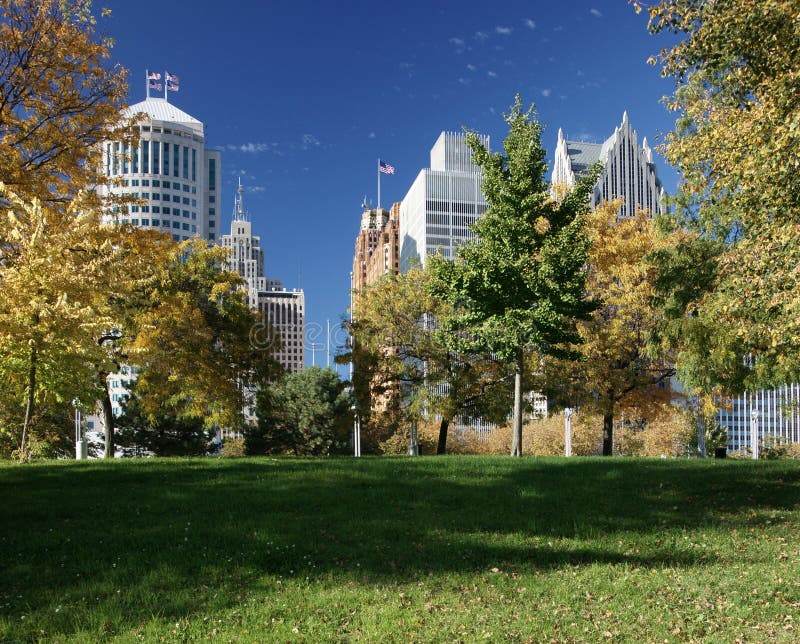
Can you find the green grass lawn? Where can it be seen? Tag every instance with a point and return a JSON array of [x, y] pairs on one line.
[[399, 549]]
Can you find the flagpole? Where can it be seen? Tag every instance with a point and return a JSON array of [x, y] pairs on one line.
[[147, 82], [165, 86], [379, 184]]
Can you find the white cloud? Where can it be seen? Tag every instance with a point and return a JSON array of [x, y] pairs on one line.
[[471, 67], [254, 189], [503, 31], [491, 74], [596, 13], [458, 42], [546, 93], [463, 81], [309, 141], [530, 24], [371, 135], [480, 36], [251, 148]]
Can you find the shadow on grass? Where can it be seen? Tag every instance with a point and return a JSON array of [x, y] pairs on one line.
[[180, 537]]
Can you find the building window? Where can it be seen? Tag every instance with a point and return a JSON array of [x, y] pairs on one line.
[[194, 164], [211, 223], [212, 199], [156, 209], [212, 174], [156, 222], [176, 224], [211, 236], [185, 162], [156, 182], [165, 210], [176, 199], [165, 166], [156, 161], [145, 222]]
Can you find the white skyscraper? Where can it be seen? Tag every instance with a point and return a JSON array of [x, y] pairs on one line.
[[286, 312], [628, 169], [177, 179], [442, 203], [246, 255]]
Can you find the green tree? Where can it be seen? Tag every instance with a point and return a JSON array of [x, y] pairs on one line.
[[306, 413], [519, 286], [734, 142], [166, 435]]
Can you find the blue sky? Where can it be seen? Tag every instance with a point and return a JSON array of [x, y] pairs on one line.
[[304, 97]]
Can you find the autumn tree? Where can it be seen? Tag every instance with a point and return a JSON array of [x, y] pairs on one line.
[[617, 372], [404, 366], [191, 339], [59, 97], [735, 142], [519, 286], [55, 270]]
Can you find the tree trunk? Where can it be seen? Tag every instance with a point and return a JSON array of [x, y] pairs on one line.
[[108, 418], [441, 447], [608, 434], [26, 424], [516, 443]]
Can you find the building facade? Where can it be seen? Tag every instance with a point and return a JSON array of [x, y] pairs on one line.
[[442, 203], [628, 173], [175, 178], [377, 247], [285, 311], [246, 256]]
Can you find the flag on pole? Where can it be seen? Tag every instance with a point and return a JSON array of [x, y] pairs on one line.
[[153, 76], [385, 167], [156, 86], [171, 78], [173, 87]]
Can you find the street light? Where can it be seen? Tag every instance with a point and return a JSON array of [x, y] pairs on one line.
[[81, 447], [754, 433]]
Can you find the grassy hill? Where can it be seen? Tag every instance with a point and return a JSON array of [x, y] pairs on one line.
[[399, 549]]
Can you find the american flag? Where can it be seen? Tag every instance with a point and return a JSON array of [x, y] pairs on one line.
[[156, 86], [173, 87], [385, 167], [153, 76], [171, 78]]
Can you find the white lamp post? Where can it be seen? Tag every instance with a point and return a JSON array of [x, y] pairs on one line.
[[754, 433], [81, 448], [568, 432]]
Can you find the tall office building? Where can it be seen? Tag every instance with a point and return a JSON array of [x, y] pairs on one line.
[[377, 249], [285, 311], [442, 203], [246, 255], [628, 170], [177, 179]]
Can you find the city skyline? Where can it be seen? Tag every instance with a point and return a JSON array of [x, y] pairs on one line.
[[302, 102]]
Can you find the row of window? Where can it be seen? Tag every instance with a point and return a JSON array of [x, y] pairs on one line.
[[155, 158], [164, 223], [157, 183]]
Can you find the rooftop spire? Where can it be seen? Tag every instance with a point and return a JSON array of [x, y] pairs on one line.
[[239, 213]]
